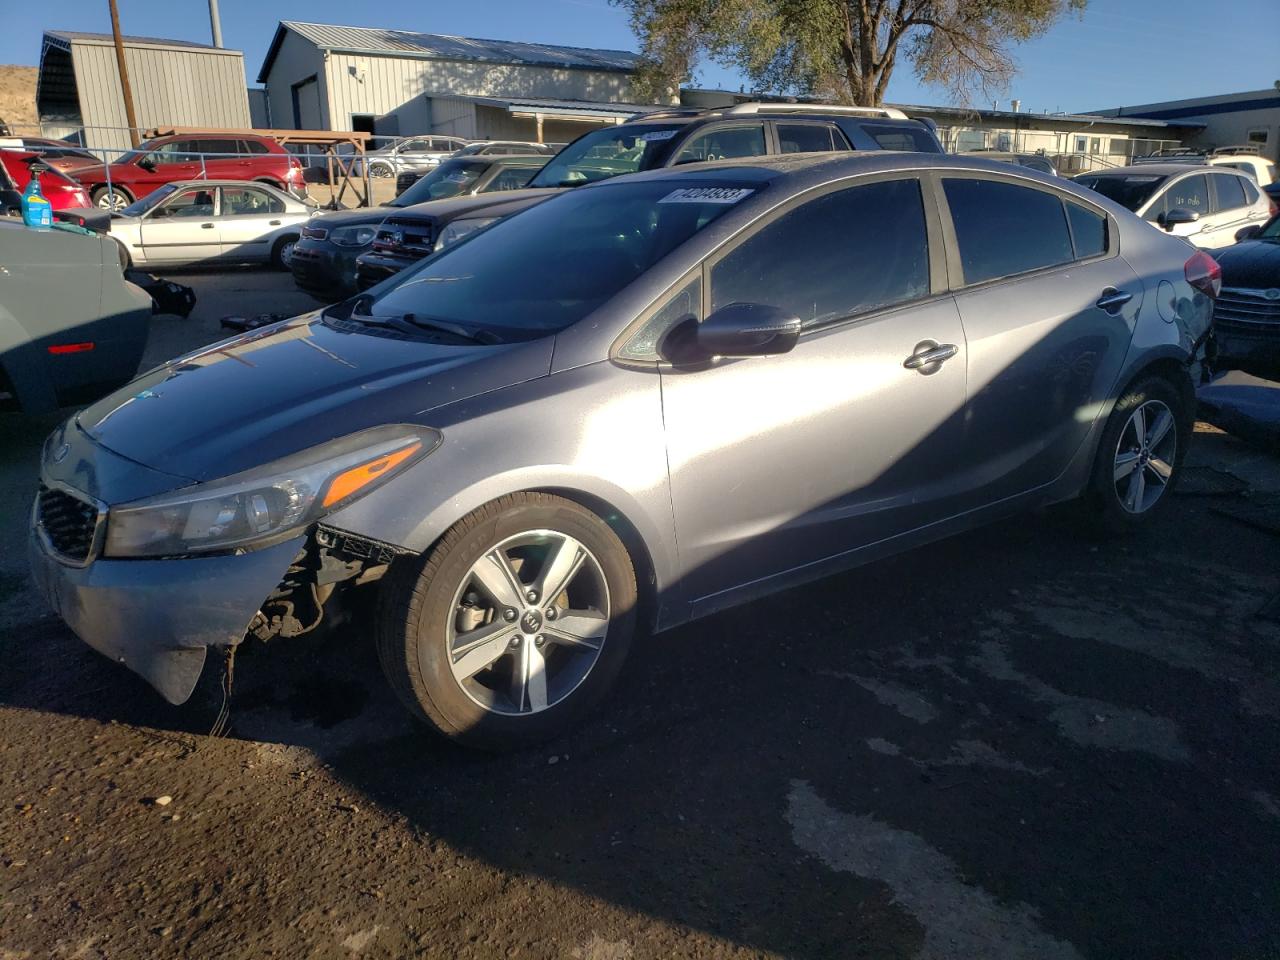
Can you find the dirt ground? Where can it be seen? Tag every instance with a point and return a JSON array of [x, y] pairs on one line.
[[18, 96], [1018, 743]]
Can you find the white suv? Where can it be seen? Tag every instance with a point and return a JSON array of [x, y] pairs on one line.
[[1205, 204]]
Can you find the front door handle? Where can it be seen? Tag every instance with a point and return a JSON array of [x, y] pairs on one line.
[[274, 223], [929, 356], [206, 226], [1112, 300]]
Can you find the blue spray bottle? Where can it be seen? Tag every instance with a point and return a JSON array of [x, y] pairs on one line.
[[36, 209]]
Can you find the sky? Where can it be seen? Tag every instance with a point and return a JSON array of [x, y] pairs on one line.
[[1121, 52]]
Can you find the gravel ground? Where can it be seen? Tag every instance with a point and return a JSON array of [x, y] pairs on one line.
[[1018, 743]]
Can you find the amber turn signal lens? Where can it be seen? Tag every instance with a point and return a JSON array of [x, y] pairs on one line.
[[349, 481]]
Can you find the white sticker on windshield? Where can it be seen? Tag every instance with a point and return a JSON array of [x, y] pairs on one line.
[[707, 195], [653, 135]]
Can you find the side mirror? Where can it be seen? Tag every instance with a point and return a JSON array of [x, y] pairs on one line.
[[147, 162], [748, 330], [1248, 233], [1178, 216]]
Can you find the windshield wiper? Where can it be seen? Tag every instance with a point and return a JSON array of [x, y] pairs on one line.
[[485, 337]]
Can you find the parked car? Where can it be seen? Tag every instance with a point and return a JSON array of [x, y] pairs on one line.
[[192, 156], [469, 175], [1261, 170], [1246, 316], [1205, 205], [418, 154], [71, 327], [504, 148], [589, 419], [406, 237], [324, 261], [1035, 161], [195, 221], [674, 137], [63, 156], [60, 190]]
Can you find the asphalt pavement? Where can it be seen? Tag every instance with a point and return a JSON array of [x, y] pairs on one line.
[[1021, 743]]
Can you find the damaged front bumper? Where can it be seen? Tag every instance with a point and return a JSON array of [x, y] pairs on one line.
[[158, 617]]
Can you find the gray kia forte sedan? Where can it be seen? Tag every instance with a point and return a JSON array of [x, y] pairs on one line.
[[638, 403]]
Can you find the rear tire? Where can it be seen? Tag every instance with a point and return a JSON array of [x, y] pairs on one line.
[[1140, 456], [483, 658], [111, 198]]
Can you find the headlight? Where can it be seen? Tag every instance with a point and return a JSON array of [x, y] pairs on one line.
[[268, 502], [353, 236], [460, 228]]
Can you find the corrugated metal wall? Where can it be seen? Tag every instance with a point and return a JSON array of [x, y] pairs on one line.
[[361, 84], [295, 62], [452, 116], [191, 88]]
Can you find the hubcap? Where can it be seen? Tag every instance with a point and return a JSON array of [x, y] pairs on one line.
[[286, 253], [1145, 455], [526, 663]]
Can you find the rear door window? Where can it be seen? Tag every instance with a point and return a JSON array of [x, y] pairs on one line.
[[1230, 192], [249, 201], [1003, 229], [510, 178], [905, 137], [809, 138], [1088, 231], [843, 253], [723, 143]]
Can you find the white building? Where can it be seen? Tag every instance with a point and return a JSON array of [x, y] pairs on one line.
[[174, 84], [1251, 118], [397, 82]]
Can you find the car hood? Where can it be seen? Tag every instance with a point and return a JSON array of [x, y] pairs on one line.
[[1253, 264], [457, 208], [286, 387], [352, 218]]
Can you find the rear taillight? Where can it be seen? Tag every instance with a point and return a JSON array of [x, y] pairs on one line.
[[1203, 273]]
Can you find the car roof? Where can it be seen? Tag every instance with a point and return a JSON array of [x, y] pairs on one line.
[[224, 183], [1149, 169]]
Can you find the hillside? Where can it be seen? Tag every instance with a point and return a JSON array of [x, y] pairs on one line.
[[18, 96]]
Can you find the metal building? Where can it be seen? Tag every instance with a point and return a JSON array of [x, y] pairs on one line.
[[1250, 119], [397, 82], [175, 84]]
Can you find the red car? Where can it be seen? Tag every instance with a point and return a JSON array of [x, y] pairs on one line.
[[60, 190], [191, 156], [58, 154]]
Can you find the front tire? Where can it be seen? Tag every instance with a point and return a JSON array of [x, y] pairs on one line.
[[1140, 455], [282, 252], [513, 626]]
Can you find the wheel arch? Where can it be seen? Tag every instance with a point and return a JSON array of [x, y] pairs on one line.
[[638, 550], [1167, 365]]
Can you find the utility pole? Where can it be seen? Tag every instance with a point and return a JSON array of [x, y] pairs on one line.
[[215, 23], [124, 74]]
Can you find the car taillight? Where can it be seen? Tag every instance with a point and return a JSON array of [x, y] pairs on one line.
[[1203, 273]]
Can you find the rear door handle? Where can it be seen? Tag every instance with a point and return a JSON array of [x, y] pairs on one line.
[[274, 223], [206, 226], [1112, 300], [929, 356]]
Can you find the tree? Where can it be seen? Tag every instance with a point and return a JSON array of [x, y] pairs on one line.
[[843, 50]]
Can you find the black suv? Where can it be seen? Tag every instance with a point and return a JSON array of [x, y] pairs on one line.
[[667, 138]]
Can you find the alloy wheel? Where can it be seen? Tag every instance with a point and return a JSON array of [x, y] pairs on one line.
[[112, 200], [1145, 455], [528, 622]]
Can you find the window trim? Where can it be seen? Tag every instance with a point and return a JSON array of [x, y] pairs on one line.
[[955, 266]]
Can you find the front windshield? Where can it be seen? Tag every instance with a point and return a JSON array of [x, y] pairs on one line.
[[523, 277], [140, 151], [451, 179], [607, 153], [1130, 190], [152, 199]]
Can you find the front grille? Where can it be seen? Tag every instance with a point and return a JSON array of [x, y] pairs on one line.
[[69, 523], [405, 237], [1245, 309], [406, 180]]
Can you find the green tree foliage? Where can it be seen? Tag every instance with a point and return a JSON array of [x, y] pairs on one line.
[[842, 50]]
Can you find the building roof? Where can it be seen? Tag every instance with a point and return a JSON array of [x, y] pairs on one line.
[[433, 46], [587, 109], [65, 38], [1044, 118]]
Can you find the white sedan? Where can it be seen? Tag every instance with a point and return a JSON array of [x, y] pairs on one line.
[[198, 221]]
